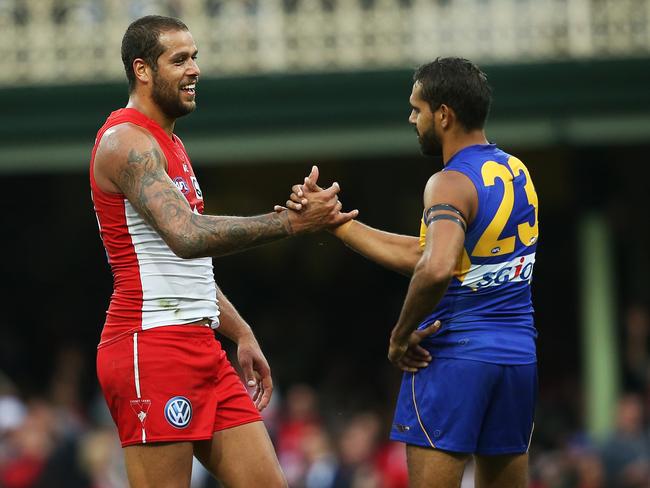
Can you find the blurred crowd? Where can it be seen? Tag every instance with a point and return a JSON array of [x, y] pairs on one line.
[[57, 439], [564, 455]]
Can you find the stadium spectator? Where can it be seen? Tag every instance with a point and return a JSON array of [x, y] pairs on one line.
[[300, 421], [358, 445], [626, 452]]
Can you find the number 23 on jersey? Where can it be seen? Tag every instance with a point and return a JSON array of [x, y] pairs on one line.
[[491, 243]]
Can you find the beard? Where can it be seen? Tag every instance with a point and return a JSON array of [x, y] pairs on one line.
[[430, 145], [168, 98]]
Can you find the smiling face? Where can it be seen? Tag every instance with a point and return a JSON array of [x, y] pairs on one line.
[[424, 123], [174, 80]]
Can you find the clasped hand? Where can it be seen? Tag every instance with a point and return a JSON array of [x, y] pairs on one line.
[[307, 195], [408, 355]]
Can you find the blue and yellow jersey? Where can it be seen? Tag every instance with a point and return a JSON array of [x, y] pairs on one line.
[[487, 312]]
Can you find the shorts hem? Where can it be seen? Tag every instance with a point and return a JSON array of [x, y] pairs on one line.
[[460, 449], [230, 425], [407, 440], [167, 439], [503, 450], [424, 443]]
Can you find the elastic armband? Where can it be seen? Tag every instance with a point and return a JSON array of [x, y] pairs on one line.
[[442, 206], [460, 220], [453, 218]]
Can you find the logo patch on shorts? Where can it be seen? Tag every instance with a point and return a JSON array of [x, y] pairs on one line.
[[141, 408], [402, 427], [178, 412]]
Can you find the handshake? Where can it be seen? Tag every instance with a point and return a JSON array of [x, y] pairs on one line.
[[311, 208]]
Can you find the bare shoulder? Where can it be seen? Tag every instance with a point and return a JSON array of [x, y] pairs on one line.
[[118, 141], [452, 188], [120, 146]]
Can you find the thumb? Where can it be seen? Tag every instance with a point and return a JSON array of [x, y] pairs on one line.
[[430, 330], [247, 369], [312, 180]]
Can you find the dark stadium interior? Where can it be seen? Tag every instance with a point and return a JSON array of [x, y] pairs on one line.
[[322, 313]]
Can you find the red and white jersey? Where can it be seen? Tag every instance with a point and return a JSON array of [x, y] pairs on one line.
[[152, 287]]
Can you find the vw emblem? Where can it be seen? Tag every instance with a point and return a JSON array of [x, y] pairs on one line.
[[178, 412]]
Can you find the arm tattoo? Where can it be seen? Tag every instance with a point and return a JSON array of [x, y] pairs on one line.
[[142, 171], [217, 236], [146, 184]]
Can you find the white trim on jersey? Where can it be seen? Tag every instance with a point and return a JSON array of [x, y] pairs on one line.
[[175, 291]]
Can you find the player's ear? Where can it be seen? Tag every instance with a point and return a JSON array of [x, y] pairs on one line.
[[445, 113], [142, 70]]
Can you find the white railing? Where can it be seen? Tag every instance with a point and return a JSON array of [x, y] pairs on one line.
[[70, 41]]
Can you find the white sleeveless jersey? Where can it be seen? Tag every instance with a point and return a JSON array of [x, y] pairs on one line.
[[152, 286]]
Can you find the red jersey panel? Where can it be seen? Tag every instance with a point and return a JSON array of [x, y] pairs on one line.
[[152, 287]]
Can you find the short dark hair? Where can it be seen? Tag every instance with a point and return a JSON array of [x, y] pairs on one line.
[[461, 85], [141, 40]]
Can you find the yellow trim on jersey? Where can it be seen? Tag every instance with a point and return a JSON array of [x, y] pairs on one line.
[[417, 413], [463, 267], [423, 234]]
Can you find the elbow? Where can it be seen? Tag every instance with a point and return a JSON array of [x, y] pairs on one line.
[[436, 273], [185, 254], [183, 250], [410, 263], [183, 239]]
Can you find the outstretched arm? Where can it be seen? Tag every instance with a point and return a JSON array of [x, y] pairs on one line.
[[130, 160], [396, 252]]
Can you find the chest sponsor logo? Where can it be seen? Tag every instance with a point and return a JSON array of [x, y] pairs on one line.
[[178, 412], [182, 185], [487, 275]]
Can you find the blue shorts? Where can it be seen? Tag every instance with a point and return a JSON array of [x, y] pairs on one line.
[[467, 406]]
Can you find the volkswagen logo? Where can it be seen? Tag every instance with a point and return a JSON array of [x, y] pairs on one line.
[[178, 412]]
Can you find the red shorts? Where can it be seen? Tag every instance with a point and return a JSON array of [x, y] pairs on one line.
[[171, 383]]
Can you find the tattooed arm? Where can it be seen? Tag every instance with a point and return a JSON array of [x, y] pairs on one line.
[[129, 161]]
